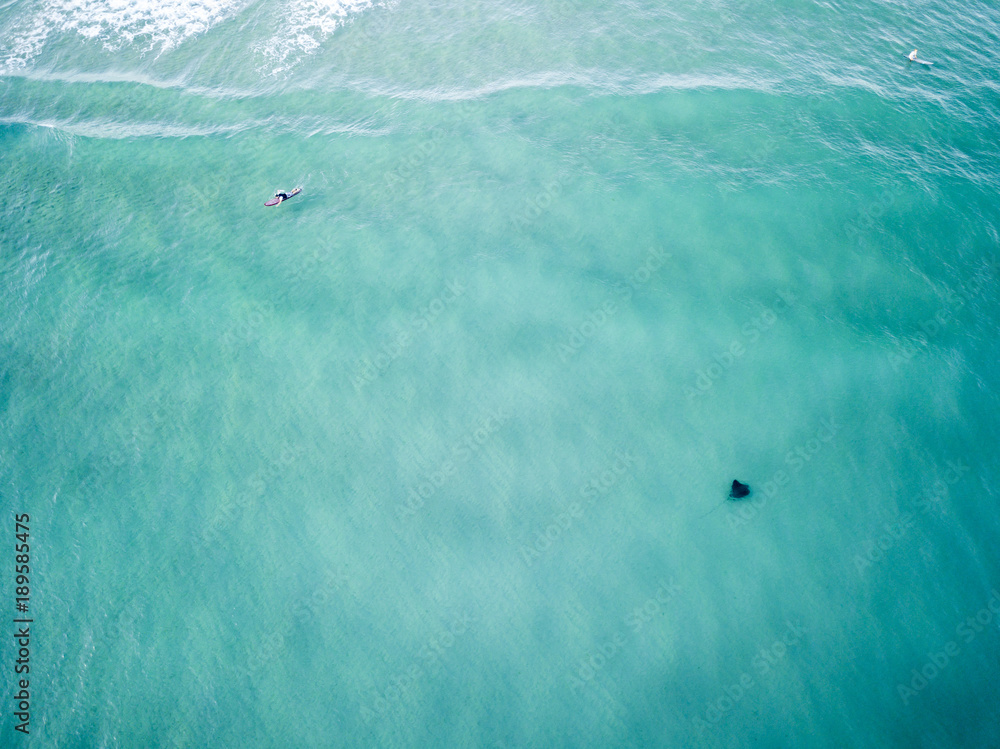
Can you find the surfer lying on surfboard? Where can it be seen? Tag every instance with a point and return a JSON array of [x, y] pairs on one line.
[[912, 57], [280, 196]]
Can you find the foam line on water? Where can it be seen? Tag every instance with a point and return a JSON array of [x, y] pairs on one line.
[[114, 130], [118, 130], [605, 83], [176, 83]]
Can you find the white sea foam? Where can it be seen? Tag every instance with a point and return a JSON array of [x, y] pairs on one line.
[[302, 27], [161, 25], [151, 24]]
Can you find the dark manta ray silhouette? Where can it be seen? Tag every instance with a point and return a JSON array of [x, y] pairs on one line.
[[738, 491]]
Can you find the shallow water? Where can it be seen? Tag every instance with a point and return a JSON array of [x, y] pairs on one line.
[[436, 454]]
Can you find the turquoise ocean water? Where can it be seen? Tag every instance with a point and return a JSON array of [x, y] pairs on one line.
[[436, 454]]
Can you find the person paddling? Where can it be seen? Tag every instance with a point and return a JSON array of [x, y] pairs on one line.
[[912, 56], [281, 196]]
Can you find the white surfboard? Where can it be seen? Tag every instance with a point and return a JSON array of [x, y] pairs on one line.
[[918, 61]]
